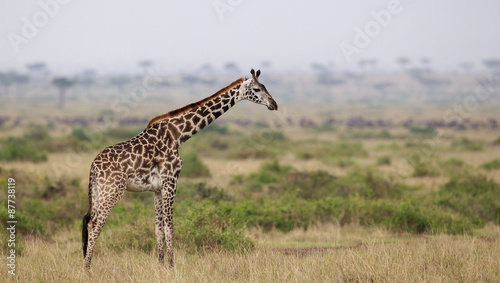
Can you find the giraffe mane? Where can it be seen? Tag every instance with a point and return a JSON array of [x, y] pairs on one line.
[[191, 106]]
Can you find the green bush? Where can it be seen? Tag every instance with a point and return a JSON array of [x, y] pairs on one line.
[[424, 170], [193, 166], [422, 131], [472, 196], [216, 128], [384, 160], [270, 172], [467, 144], [80, 134], [202, 226], [367, 134], [410, 218], [328, 151], [492, 165], [19, 148], [201, 191]]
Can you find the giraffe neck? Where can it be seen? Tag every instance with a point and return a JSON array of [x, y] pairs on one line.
[[185, 122]]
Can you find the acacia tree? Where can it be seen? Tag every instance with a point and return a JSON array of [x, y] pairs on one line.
[[493, 64], [403, 61], [231, 67], [62, 84], [145, 64], [37, 69], [19, 80], [6, 82]]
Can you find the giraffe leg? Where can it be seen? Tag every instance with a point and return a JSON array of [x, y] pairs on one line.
[[99, 216], [168, 195], [159, 223], [95, 229]]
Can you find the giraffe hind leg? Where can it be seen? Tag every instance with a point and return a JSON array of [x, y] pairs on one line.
[[100, 213]]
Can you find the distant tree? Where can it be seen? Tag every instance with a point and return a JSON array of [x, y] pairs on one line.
[[6, 81], [426, 62], [367, 63], [37, 69], [403, 61], [466, 66], [119, 82], [372, 63], [493, 64], [319, 68], [19, 80], [382, 87], [206, 68], [325, 73], [86, 79], [62, 84], [231, 67], [145, 64]]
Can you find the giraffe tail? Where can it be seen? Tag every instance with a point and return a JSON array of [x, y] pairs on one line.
[[85, 233], [86, 217]]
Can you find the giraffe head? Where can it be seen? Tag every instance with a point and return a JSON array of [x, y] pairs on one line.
[[257, 92]]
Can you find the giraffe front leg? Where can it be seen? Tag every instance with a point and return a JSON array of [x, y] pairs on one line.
[[168, 196], [159, 224]]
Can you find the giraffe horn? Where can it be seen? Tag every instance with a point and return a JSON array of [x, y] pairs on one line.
[[252, 71], [258, 73]]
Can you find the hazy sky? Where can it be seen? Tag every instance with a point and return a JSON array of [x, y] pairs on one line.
[[113, 35]]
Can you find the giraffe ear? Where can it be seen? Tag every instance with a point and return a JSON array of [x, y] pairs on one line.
[[258, 73]]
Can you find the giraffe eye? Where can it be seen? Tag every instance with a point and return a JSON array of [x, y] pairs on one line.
[[256, 89]]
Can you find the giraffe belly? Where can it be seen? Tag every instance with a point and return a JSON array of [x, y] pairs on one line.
[[145, 182]]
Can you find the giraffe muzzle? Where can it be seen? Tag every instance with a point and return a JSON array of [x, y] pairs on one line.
[[272, 105]]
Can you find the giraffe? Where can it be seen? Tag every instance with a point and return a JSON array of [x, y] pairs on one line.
[[150, 161]]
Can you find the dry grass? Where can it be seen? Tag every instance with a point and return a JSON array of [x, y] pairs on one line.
[[322, 253], [349, 254]]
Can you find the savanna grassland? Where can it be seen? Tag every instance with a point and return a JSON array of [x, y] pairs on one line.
[[355, 178]]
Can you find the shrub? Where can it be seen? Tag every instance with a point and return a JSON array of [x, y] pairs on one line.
[[384, 160], [270, 172], [202, 226], [193, 166], [472, 196], [200, 192], [467, 144], [424, 170], [454, 162], [410, 218], [284, 214], [367, 134], [80, 134], [18, 148], [491, 165], [216, 128], [328, 151], [422, 131]]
